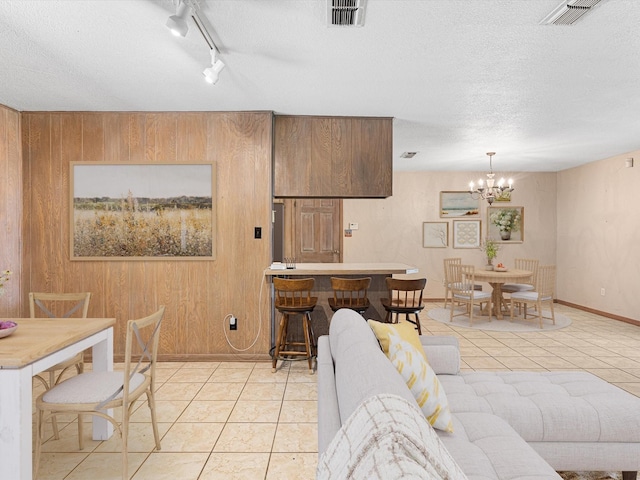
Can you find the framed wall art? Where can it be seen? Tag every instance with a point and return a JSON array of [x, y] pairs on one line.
[[466, 233], [505, 224], [435, 234], [144, 211], [458, 204]]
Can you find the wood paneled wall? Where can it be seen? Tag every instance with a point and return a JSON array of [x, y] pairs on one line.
[[197, 294], [10, 209]]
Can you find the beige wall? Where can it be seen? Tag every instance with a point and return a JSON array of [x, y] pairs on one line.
[[390, 230], [599, 236]]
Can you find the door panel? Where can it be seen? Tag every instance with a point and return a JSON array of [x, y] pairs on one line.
[[317, 226]]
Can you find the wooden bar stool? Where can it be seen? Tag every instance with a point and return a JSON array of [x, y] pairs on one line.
[[405, 297], [293, 297], [350, 293]]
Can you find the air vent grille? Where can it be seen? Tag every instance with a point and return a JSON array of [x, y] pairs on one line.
[[345, 13], [569, 12]]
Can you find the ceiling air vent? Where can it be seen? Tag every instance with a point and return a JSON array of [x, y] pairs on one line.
[[569, 12], [345, 13]]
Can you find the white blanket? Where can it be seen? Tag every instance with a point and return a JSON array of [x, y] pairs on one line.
[[387, 438]]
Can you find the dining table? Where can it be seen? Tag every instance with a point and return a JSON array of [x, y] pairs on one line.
[[496, 279], [35, 345]]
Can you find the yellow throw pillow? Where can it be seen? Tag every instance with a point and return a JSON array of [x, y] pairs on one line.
[[405, 330], [422, 381]]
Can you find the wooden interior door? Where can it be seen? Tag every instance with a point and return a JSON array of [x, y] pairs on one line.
[[315, 230]]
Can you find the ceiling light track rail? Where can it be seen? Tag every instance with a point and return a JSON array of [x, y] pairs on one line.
[[189, 9]]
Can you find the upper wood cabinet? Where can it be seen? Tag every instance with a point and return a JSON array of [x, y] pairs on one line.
[[333, 157]]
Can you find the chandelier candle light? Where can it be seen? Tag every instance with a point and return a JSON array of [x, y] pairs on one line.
[[491, 191]]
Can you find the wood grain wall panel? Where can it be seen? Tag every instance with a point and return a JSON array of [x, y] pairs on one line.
[[150, 128], [137, 145], [93, 142], [341, 154], [292, 155], [197, 294], [41, 202], [10, 210], [116, 137], [71, 147], [319, 169], [347, 157], [372, 139]]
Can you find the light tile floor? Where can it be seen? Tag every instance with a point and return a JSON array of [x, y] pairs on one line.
[[237, 420]]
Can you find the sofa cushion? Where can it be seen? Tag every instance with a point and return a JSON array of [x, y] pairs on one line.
[[386, 438], [422, 381], [486, 447], [405, 330], [549, 406], [361, 369]]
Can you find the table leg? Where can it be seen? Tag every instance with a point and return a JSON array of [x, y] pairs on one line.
[[15, 423], [102, 358], [496, 300]]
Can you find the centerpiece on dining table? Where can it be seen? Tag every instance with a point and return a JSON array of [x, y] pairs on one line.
[[490, 248]]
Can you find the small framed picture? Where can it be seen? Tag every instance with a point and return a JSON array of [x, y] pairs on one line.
[[505, 224], [458, 204], [466, 233], [435, 234]]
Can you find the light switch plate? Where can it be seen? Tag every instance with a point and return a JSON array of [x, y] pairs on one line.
[[353, 226]]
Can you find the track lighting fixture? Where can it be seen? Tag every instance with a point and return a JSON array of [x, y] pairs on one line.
[[178, 23], [212, 73]]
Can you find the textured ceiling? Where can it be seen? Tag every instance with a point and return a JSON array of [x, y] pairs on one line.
[[460, 77]]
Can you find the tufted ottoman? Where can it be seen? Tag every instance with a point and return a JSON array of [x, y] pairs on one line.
[[574, 420]]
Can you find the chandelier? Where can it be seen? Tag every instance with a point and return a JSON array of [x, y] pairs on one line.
[[491, 191]]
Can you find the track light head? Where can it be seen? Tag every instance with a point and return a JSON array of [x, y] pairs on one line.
[[178, 23], [212, 73]]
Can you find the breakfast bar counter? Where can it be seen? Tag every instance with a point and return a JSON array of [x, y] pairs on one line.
[[322, 273], [337, 269]]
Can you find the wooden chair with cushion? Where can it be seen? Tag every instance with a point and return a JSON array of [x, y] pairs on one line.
[[404, 297], [95, 393], [59, 305], [543, 293], [350, 293], [449, 278], [463, 292], [528, 264], [293, 297]]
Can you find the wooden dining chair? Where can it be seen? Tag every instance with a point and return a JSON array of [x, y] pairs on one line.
[[350, 293], [59, 305], [529, 264], [404, 298], [450, 278], [543, 293], [463, 292], [94, 393]]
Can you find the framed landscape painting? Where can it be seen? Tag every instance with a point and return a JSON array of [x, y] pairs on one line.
[[505, 224], [435, 234], [458, 204], [466, 233], [145, 211]]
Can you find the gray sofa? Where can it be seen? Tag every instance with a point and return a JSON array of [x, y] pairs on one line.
[[507, 425]]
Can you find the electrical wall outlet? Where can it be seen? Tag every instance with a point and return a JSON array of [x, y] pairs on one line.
[[602, 292], [233, 323]]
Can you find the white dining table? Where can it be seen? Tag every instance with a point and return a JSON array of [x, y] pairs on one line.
[[34, 346]]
